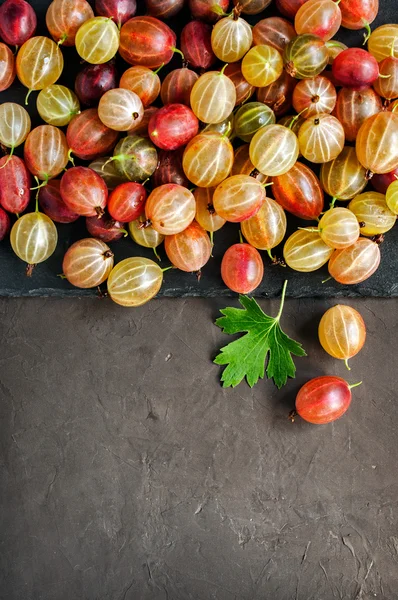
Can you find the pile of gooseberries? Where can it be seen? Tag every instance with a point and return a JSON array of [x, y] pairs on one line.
[[170, 155]]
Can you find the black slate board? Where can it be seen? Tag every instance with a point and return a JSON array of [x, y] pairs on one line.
[[45, 282]]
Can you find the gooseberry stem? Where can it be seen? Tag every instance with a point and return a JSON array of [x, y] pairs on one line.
[[368, 31], [241, 237], [156, 254], [211, 238], [310, 229], [63, 39], [278, 316], [27, 97], [333, 202], [42, 184], [158, 69], [294, 119], [347, 365], [354, 385], [168, 268], [70, 157], [124, 231], [178, 52], [326, 280], [270, 255], [9, 157], [223, 69]]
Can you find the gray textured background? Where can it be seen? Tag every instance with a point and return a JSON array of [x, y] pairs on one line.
[[128, 473]]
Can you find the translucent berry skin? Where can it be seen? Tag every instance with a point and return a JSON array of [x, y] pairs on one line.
[[107, 171], [387, 85], [196, 45], [267, 228], [177, 86], [383, 41], [204, 9], [243, 89], [299, 192], [244, 166], [15, 184], [242, 268], [208, 159], [342, 332], [213, 97], [84, 192], [15, 124], [238, 198], [315, 96], [87, 263], [88, 137], [278, 95], [118, 10], [127, 202], [17, 22], [206, 215], [170, 208], [250, 118], [353, 107], [339, 228], [147, 237], [335, 48], [141, 128], [39, 63], [135, 158], [33, 238], [355, 68], [357, 13], [231, 38], [289, 8], [64, 18], [97, 40], [381, 182], [57, 105], [164, 9], [146, 41], [169, 169], [46, 152], [275, 32], [173, 126], [93, 81], [305, 56], [344, 177], [377, 143], [371, 208], [321, 138], [190, 249], [143, 82], [120, 109], [253, 7], [51, 203], [7, 67], [323, 400], [305, 251], [134, 281], [105, 229], [262, 65], [274, 150], [319, 17], [5, 224], [392, 197], [356, 263]]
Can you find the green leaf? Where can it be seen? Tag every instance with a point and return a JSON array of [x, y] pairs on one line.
[[246, 356]]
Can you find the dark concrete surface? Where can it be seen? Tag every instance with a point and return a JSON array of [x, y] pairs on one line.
[[128, 473]]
